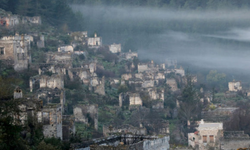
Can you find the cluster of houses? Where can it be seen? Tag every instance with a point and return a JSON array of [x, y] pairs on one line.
[[147, 83]]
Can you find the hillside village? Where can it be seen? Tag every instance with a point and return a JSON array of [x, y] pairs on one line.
[[103, 97]]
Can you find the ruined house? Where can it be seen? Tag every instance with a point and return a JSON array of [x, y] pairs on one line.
[[87, 114], [67, 48], [148, 67], [180, 71], [94, 42], [148, 83], [207, 135], [68, 126], [30, 108], [44, 69], [97, 85], [234, 86], [126, 76], [130, 55], [172, 83], [115, 48], [44, 81], [51, 96], [135, 99], [156, 94], [17, 49], [130, 99], [9, 20], [59, 58], [52, 121], [79, 36], [32, 20]]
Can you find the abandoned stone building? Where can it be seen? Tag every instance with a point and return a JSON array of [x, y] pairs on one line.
[[32, 20], [65, 49], [43, 81], [87, 114], [172, 83], [59, 58], [9, 20], [51, 96], [79, 36], [234, 86], [94, 42], [44, 69], [68, 127], [115, 48], [135, 99], [97, 85], [155, 94], [30, 108], [17, 49], [207, 135], [52, 121], [129, 56], [130, 99], [180, 71]]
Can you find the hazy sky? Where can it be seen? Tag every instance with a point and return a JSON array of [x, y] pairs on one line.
[[211, 39]]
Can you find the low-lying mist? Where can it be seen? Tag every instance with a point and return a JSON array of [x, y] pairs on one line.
[[196, 39]]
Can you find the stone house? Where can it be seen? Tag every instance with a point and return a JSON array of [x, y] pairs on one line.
[[234, 86], [126, 76], [79, 36], [59, 58], [135, 99], [68, 127], [172, 83], [81, 73], [115, 48], [43, 81], [30, 107], [142, 67], [86, 114], [94, 42], [52, 121], [9, 20], [17, 49], [130, 55], [51, 96], [180, 71], [52, 68], [156, 94], [97, 85], [32, 20], [207, 135], [67, 48], [148, 84]]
